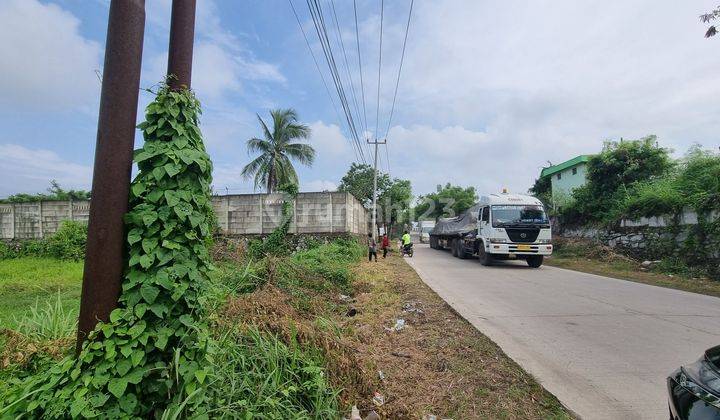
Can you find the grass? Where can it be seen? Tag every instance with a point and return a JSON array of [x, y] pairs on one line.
[[28, 281], [586, 257]]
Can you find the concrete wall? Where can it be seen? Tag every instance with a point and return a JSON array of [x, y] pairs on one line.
[[40, 219], [245, 214], [651, 237]]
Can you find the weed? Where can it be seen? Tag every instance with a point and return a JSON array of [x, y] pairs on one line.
[[48, 322], [259, 376]]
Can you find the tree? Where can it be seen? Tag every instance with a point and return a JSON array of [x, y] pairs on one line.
[[542, 189], [612, 173], [448, 201], [277, 147], [709, 17], [358, 181], [394, 195], [55, 193]]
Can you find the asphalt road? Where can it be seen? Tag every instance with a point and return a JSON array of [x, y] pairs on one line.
[[603, 346]]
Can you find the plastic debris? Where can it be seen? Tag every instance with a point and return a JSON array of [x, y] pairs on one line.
[[429, 417], [355, 413], [412, 307], [346, 298], [351, 312], [381, 375], [399, 325], [378, 399]]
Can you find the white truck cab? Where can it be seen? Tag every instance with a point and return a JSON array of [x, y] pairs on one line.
[[513, 225]]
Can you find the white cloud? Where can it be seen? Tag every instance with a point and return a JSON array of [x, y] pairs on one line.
[[30, 170], [491, 92], [46, 64]]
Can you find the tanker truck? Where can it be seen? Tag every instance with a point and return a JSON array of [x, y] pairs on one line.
[[500, 227]]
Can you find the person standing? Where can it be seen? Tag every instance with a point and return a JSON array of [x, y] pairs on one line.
[[372, 247], [385, 245]]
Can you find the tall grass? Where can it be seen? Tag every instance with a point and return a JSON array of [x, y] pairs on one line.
[[50, 321], [258, 376]]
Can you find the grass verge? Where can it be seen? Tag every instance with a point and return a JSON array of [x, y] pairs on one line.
[[588, 257]]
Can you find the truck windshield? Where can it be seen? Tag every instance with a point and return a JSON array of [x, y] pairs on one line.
[[518, 215]]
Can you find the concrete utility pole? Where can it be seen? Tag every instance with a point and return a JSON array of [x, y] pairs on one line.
[[105, 255], [375, 176], [182, 35]]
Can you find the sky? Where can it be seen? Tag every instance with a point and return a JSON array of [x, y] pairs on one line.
[[490, 92]]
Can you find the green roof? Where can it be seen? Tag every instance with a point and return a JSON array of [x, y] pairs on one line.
[[565, 165]]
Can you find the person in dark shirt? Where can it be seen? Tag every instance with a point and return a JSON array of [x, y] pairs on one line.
[[372, 247]]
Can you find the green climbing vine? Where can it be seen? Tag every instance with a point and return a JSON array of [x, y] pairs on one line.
[[150, 358]]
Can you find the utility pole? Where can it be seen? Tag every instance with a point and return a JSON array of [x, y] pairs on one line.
[[375, 176], [105, 255], [180, 51]]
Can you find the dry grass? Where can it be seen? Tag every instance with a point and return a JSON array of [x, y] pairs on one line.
[[580, 255], [438, 364]]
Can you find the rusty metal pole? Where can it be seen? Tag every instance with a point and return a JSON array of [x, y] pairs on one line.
[[180, 52], [105, 256]]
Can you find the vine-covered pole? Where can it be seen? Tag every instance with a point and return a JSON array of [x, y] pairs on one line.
[[105, 259], [180, 51]]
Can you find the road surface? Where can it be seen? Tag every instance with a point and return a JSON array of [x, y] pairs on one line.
[[603, 346]]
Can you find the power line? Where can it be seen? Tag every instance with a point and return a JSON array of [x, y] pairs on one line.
[[377, 112], [402, 58], [362, 85], [345, 60], [317, 66], [321, 30]]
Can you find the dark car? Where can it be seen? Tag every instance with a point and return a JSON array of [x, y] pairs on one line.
[[694, 389]]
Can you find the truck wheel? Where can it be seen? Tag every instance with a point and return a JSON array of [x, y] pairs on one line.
[[535, 261], [453, 247], [461, 250], [485, 258], [433, 242]]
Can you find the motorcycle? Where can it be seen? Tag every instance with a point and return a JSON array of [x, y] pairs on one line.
[[407, 250]]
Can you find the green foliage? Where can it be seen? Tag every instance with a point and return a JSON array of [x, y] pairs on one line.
[[449, 201], [542, 189], [330, 262], [68, 243], [394, 195], [153, 353], [358, 181], [273, 167], [48, 322], [27, 280], [55, 193], [611, 176], [256, 375]]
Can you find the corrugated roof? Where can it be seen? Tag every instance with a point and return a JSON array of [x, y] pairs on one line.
[[565, 165]]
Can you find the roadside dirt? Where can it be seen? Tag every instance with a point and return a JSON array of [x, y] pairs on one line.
[[437, 363]]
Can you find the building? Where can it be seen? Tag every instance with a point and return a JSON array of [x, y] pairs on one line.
[[565, 177]]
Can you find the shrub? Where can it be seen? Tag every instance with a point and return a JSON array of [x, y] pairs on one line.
[[68, 243]]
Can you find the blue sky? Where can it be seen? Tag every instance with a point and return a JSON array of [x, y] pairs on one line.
[[490, 91]]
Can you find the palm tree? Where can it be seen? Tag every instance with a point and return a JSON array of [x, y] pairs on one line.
[[273, 167]]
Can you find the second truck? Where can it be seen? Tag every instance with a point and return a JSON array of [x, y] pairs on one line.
[[501, 226]]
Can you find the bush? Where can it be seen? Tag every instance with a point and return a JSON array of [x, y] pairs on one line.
[[68, 243], [49, 322]]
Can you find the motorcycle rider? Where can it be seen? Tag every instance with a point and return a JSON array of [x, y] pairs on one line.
[[406, 240]]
